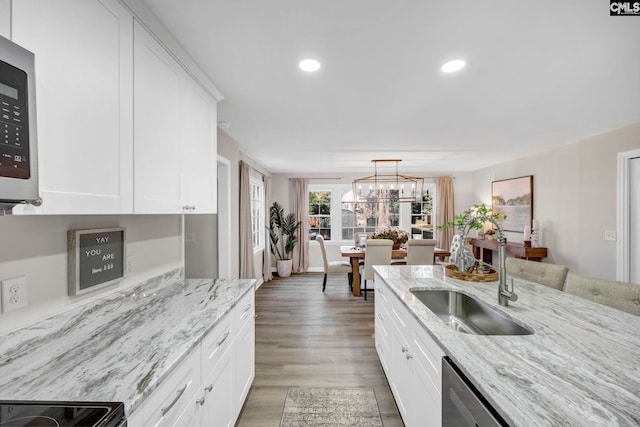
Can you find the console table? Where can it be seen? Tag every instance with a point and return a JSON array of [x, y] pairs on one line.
[[483, 249]]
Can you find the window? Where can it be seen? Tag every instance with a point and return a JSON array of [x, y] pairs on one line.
[[422, 216], [334, 215], [369, 215], [320, 214], [257, 214]]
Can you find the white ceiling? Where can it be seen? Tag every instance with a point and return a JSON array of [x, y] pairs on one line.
[[539, 74]]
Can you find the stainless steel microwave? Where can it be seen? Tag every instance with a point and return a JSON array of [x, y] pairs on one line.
[[18, 142]]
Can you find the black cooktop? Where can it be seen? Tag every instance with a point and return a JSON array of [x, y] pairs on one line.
[[18, 413]]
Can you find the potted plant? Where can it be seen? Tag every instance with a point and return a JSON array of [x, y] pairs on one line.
[[490, 234], [471, 219], [282, 232], [397, 235]]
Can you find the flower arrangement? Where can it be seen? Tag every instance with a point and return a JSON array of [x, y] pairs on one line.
[[397, 235]]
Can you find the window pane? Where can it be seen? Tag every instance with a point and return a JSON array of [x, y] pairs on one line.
[[320, 214]]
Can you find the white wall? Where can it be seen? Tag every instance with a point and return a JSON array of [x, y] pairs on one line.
[[36, 247], [574, 195], [230, 149]]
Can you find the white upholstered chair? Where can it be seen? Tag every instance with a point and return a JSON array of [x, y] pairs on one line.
[[621, 295], [333, 266], [378, 253], [551, 275], [420, 251]]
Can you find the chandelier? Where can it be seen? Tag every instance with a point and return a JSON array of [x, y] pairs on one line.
[[388, 185]]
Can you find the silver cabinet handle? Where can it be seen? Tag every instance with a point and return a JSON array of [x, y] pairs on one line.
[[209, 388], [200, 401], [408, 356], [247, 308], [226, 335], [166, 409], [380, 316], [404, 350]]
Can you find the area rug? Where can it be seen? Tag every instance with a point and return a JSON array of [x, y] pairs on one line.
[[336, 407]]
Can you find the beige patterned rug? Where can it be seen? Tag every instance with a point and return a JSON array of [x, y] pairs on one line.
[[335, 407]]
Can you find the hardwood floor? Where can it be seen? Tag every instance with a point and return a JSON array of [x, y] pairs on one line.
[[305, 337]]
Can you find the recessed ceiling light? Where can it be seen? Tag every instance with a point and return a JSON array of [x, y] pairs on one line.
[[309, 65], [453, 66]]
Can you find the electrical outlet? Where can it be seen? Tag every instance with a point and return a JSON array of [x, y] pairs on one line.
[[610, 235], [14, 294], [131, 263]]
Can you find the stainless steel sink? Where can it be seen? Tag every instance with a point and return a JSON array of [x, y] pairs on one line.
[[467, 314]]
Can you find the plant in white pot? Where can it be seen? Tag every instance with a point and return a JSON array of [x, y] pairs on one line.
[[282, 231]]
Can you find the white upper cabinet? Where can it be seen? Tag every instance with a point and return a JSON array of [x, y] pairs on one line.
[[175, 138], [199, 148], [83, 54], [5, 18], [157, 80]]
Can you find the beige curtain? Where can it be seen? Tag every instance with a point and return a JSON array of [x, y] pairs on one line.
[[266, 257], [247, 270], [299, 195], [444, 204]]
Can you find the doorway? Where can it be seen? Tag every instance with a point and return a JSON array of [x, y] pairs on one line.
[[628, 250], [224, 218]]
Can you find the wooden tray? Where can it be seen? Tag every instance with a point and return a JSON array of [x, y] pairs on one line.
[[451, 270]]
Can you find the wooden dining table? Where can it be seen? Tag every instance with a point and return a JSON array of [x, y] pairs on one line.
[[355, 254]]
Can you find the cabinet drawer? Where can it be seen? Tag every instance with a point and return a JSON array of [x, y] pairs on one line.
[[244, 311], [216, 344], [165, 404]]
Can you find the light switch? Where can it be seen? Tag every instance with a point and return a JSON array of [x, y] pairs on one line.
[[610, 235]]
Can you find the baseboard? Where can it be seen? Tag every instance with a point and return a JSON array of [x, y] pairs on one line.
[[259, 283]]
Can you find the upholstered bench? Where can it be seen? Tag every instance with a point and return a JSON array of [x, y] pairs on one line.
[[620, 295], [551, 275]]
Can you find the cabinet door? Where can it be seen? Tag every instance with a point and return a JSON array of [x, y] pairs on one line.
[[218, 408], [198, 142], [157, 80], [83, 51], [243, 365], [5, 18]]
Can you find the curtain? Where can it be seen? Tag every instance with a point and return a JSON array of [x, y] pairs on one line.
[[266, 255], [246, 239], [444, 203], [299, 194]]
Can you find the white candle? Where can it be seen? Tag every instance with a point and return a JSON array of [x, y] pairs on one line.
[[536, 224], [527, 233]]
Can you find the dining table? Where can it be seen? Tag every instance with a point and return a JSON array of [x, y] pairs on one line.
[[356, 253]]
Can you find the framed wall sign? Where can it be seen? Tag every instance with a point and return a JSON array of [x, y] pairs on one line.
[[95, 258], [513, 198]]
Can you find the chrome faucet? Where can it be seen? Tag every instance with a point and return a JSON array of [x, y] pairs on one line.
[[504, 294]]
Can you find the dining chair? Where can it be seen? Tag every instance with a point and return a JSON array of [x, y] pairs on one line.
[[420, 251], [620, 295], [334, 266], [378, 253], [551, 275]]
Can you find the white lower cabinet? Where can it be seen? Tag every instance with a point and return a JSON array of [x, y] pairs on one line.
[[411, 359], [210, 386]]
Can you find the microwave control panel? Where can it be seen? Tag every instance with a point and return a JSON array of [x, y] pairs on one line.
[[14, 123]]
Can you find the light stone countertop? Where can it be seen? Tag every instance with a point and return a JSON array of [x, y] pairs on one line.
[[580, 368], [117, 348]]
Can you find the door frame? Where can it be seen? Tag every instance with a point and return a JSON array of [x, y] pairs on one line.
[[623, 229], [224, 217]]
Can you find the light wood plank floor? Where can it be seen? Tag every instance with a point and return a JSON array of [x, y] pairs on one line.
[[305, 337]]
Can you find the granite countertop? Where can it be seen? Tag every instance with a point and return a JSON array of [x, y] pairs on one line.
[[118, 348], [581, 367]]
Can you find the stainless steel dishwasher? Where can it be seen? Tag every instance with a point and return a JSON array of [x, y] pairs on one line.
[[462, 403]]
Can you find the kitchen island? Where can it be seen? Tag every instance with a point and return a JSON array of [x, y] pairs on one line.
[[580, 368], [120, 347]]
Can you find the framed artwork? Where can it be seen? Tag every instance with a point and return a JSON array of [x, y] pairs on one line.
[[513, 198]]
